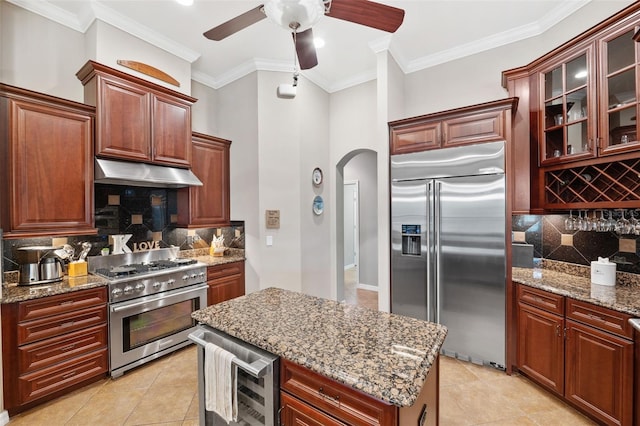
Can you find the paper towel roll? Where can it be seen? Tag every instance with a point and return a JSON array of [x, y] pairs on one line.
[[603, 272]]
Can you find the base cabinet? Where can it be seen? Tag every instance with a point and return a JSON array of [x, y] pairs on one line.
[[580, 351], [308, 398], [225, 282], [52, 346]]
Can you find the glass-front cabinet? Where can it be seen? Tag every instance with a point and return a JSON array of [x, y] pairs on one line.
[[618, 91], [567, 115]]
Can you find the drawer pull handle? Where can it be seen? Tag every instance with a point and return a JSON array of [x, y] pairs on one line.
[[67, 302], [68, 348], [335, 399], [70, 374], [597, 318], [67, 324]]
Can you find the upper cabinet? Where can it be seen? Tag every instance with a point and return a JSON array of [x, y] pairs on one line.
[[207, 205], [46, 165], [582, 127], [566, 115], [462, 126], [618, 84], [138, 120]]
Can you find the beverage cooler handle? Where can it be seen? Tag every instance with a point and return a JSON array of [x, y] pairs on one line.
[[436, 228], [429, 241], [257, 369]]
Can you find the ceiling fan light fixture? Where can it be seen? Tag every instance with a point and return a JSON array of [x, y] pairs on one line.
[[297, 15]]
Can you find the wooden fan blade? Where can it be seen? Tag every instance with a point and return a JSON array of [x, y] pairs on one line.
[[306, 50], [368, 13], [236, 24]]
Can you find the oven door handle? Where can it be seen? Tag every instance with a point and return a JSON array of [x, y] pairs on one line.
[[136, 304]]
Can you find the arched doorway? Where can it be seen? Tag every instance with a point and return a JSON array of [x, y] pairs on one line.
[[357, 228]]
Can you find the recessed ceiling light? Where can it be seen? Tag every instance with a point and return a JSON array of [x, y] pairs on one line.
[[318, 42], [185, 2]]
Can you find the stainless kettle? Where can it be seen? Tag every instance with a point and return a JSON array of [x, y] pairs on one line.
[[51, 269]]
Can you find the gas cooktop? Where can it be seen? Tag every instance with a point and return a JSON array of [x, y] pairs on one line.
[[121, 271]]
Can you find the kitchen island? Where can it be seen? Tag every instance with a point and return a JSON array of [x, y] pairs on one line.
[[388, 358]]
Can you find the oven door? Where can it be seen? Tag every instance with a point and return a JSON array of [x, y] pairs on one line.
[[146, 328]]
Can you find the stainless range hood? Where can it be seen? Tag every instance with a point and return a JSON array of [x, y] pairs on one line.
[[142, 174]]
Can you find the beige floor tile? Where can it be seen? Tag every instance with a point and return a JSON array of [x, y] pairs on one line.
[[58, 411], [139, 378], [192, 412], [519, 392], [560, 417], [517, 421], [163, 404], [191, 422], [108, 408], [453, 372]]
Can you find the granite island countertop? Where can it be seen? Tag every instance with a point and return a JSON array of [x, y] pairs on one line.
[[621, 297], [384, 355]]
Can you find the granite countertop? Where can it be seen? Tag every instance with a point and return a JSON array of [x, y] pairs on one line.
[[202, 255], [384, 355], [18, 293], [623, 297]]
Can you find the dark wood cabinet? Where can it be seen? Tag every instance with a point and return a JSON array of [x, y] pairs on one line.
[[53, 345], [138, 120], [582, 127], [462, 126], [225, 282], [310, 398], [541, 347], [46, 165], [207, 205], [580, 351]]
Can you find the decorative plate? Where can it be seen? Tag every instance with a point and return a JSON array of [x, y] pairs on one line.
[[318, 205], [316, 176]]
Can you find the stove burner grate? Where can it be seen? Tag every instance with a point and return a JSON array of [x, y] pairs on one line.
[[142, 268]]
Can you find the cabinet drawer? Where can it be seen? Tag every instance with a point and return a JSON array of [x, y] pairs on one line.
[[600, 317], [220, 271], [296, 412], [61, 303], [60, 376], [47, 352], [340, 401], [32, 331], [541, 299]]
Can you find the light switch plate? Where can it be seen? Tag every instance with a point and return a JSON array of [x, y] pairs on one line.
[[269, 240]]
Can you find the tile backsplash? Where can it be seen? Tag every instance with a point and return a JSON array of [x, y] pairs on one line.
[[552, 241], [148, 214]]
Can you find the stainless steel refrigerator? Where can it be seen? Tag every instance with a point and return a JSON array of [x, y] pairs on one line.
[[448, 246]]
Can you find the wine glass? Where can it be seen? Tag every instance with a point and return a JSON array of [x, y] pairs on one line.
[[570, 222], [579, 225], [622, 225], [602, 224]]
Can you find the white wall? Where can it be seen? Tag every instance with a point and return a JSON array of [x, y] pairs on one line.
[[39, 54], [237, 114]]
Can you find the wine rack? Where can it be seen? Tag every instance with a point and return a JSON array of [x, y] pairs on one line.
[[607, 185]]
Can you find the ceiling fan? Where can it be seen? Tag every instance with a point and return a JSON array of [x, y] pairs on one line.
[[298, 16]]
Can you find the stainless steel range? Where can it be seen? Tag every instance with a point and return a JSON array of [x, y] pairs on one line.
[[151, 297]]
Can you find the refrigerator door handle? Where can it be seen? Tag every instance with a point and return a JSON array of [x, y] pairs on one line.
[[436, 227], [429, 247]]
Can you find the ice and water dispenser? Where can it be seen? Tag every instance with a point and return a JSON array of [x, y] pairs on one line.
[[411, 240]]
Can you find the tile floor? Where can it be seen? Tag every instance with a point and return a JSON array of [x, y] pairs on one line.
[[164, 392]]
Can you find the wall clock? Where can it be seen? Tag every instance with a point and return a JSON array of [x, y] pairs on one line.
[[316, 176]]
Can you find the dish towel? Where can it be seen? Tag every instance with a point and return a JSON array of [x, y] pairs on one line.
[[220, 382]]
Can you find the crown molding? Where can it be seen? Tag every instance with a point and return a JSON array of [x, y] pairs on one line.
[[92, 11]]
